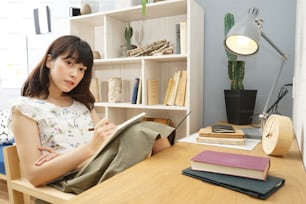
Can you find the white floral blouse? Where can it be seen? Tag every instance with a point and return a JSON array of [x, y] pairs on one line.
[[61, 128]]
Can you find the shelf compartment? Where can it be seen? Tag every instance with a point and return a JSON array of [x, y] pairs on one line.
[[131, 60], [139, 106], [134, 13], [119, 114]]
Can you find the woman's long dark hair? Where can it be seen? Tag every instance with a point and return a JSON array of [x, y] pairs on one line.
[[37, 83]]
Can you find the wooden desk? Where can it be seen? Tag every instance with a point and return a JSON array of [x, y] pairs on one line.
[[158, 180]]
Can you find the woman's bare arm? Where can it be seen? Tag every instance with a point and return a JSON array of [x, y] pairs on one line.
[[28, 141]]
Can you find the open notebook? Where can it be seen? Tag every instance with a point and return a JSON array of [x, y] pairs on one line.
[[120, 128]]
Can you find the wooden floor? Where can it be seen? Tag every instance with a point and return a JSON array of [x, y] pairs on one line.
[[3, 193]]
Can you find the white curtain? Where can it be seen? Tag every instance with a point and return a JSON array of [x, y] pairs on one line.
[[299, 91]]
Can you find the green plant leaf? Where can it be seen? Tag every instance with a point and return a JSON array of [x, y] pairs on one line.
[[144, 6]]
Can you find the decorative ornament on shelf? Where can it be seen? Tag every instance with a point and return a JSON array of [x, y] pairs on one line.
[[160, 47], [97, 54], [115, 90], [85, 9]]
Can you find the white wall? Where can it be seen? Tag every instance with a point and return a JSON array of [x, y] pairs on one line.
[[299, 95], [17, 22]]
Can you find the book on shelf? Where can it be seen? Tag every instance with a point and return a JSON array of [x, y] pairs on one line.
[[252, 187], [168, 91], [176, 79], [135, 90], [181, 90], [177, 39], [119, 128], [220, 140], [139, 92], [153, 92], [94, 88], [255, 167], [183, 37], [207, 132]]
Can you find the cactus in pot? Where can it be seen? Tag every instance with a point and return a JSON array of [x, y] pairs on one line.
[[128, 33], [235, 67]]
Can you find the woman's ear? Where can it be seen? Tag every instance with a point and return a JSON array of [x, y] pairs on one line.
[[49, 61]]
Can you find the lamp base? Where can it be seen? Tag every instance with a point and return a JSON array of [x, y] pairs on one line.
[[252, 133], [256, 133]]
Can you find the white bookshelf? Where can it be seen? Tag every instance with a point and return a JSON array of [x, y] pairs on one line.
[[104, 32]]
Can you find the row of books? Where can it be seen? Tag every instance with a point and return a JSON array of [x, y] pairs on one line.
[[244, 173], [176, 89], [175, 93], [152, 91]]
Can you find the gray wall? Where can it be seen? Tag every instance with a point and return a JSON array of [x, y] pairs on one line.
[[279, 25]]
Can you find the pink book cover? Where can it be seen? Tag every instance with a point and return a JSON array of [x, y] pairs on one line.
[[233, 160]]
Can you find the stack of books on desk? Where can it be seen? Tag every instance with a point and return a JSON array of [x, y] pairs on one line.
[[240, 172], [207, 135], [255, 167]]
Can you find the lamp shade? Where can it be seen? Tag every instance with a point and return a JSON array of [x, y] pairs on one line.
[[243, 38]]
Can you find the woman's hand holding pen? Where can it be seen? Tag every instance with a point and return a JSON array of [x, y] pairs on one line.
[[102, 130]]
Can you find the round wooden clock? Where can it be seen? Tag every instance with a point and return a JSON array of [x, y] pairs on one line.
[[277, 135]]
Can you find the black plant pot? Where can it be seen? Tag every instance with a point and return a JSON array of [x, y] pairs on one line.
[[240, 106]]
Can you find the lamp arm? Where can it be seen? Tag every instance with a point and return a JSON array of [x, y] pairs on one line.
[[284, 58], [273, 88], [281, 53]]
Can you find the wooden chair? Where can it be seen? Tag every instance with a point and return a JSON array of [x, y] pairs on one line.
[[21, 190]]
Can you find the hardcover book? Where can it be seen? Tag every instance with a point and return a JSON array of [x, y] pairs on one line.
[[153, 92], [183, 37], [94, 88], [168, 91], [181, 91], [177, 39], [252, 187], [139, 92], [176, 79], [135, 90], [248, 166], [221, 140], [207, 132]]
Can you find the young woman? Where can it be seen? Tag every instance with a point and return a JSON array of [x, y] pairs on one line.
[[50, 121]]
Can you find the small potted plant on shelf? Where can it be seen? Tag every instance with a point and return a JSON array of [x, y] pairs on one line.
[[239, 102], [128, 34]]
